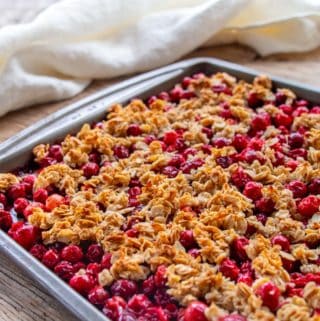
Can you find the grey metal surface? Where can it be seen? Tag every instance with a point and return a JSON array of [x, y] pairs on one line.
[[16, 150]]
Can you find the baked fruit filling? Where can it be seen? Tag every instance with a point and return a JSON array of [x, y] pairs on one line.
[[201, 203]]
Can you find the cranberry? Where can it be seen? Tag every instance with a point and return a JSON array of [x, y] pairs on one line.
[[177, 160], [106, 261], [94, 253], [170, 171], [28, 182], [154, 314], [189, 151], [308, 206], [54, 201], [20, 204], [124, 288], [139, 303], [40, 195], [253, 190], [3, 199], [79, 266], [299, 111], [24, 234], [38, 251], [82, 283], [279, 159], [51, 258], [149, 139], [114, 307], [315, 110], [240, 142], [280, 98], [314, 187], [191, 164], [186, 81], [298, 189], [282, 241], [149, 286], [287, 109], [194, 252], [47, 161], [262, 218], [98, 295], [295, 140], [287, 264], [245, 278], [224, 161], [187, 239], [64, 270], [160, 278], [55, 151], [95, 157], [17, 191], [134, 130], [29, 209], [238, 247], [164, 96], [239, 178], [222, 88], [292, 164], [220, 142], [208, 132], [260, 122], [121, 151], [233, 317], [229, 269], [270, 294], [195, 312], [134, 191], [90, 169], [170, 137], [265, 205], [151, 100], [72, 253], [132, 232]]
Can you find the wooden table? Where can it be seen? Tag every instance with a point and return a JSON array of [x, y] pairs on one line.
[[23, 300]]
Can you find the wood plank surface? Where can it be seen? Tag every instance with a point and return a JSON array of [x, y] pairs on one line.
[[21, 299]]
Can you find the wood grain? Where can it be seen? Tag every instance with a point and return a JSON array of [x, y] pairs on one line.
[[20, 298]]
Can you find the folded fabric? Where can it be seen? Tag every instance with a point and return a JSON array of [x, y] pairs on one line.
[[74, 41]]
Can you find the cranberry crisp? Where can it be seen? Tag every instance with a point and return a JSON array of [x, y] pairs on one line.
[[199, 204]]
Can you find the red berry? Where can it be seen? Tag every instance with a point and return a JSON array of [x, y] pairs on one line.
[[93, 269], [64, 270], [82, 283], [160, 278], [29, 209], [298, 189], [295, 140], [238, 247], [98, 295], [191, 164], [149, 286], [121, 151], [94, 253], [314, 187], [208, 132], [308, 206], [38, 251], [177, 160], [51, 258], [229, 269], [20, 204], [265, 205], [282, 119], [139, 303], [24, 234], [298, 152], [287, 109], [78, 266], [260, 122], [299, 111], [154, 314], [233, 317], [17, 191], [195, 312], [3, 199], [253, 190], [72, 253], [282, 241], [220, 142], [240, 142], [170, 171], [54, 201], [280, 98], [256, 143], [28, 182], [134, 130], [224, 161], [106, 261], [170, 137], [124, 288], [187, 239], [270, 294], [164, 96], [114, 307], [5, 220], [55, 151], [90, 169], [239, 178], [245, 278], [40, 195], [189, 151]]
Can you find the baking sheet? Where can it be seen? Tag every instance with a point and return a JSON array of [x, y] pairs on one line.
[[16, 151]]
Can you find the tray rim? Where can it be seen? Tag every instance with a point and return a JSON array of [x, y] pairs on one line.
[[75, 303]]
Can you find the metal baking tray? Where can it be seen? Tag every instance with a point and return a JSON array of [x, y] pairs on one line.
[[16, 151]]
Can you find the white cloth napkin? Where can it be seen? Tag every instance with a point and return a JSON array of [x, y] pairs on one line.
[[66, 46]]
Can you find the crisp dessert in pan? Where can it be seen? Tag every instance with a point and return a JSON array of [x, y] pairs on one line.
[[198, 204]]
